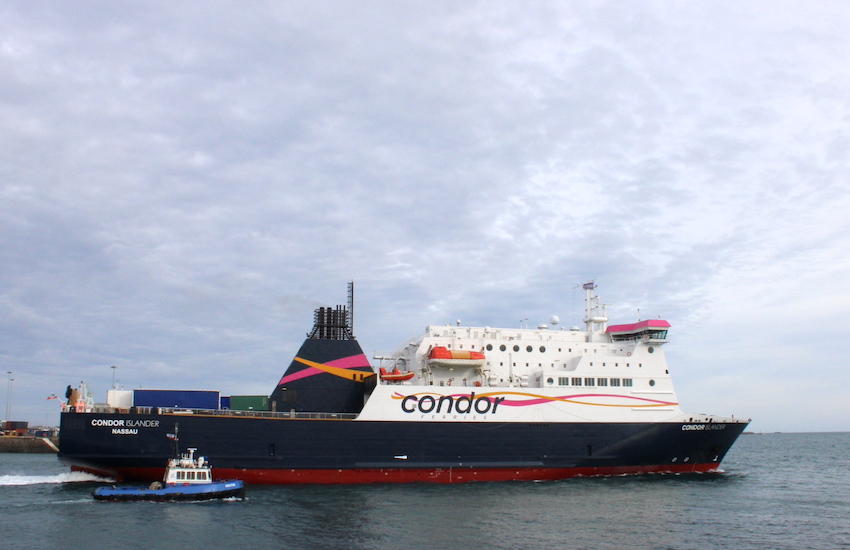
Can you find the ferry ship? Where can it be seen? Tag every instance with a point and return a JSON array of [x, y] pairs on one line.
[[456, 404]]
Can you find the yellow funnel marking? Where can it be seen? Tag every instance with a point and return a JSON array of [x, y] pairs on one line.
[[356, 375]]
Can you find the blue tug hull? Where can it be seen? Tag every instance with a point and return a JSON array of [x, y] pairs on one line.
[[203, 491]]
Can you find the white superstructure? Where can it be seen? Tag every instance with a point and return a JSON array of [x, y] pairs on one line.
[[605, 373]]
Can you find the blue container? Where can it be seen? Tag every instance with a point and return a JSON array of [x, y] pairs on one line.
[[178, 399]]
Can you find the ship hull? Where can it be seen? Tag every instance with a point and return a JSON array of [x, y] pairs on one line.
[[326, 450]]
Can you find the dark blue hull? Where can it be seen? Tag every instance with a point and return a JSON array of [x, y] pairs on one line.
[[299, 450]]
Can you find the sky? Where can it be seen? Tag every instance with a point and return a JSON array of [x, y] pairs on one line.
[[181, 184]]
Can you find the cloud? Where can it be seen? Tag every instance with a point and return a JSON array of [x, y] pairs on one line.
[[181, 186]]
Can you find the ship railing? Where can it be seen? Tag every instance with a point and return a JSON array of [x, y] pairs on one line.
[[258, 414]]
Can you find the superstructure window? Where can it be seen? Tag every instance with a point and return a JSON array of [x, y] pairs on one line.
[[627, 382], [601, 381], [563, 381], [576, 381], [615, 381], [590, 381]]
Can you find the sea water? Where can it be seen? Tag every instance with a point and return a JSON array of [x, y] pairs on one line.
[[776, 491]]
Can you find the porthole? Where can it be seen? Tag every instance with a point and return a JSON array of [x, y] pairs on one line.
[[528, 349], [652, 382], [549, 381], [516, 348], [650, 349], [542, 349], [502, 347], [489, 347]]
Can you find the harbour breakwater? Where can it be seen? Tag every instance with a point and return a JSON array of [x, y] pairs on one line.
[[26, 444]]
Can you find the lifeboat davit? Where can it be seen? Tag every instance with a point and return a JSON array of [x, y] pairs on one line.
[[444, 357], [395, 375]]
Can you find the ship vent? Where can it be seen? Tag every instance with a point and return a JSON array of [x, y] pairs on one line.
[[331, 324]]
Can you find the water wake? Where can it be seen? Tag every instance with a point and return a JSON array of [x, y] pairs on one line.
[[68, 477]]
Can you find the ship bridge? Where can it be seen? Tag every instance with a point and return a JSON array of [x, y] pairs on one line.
[[652, 329]]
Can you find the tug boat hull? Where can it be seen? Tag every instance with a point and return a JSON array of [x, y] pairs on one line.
[[207, 491]]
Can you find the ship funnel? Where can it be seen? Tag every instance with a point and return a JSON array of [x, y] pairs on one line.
[[330, 373]]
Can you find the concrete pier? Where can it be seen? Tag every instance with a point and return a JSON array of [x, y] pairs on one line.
[[28, 444]]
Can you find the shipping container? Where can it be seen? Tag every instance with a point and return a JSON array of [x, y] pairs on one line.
[[13, 427], [225, 402], [249, 402], [119, 399], [178, 399]]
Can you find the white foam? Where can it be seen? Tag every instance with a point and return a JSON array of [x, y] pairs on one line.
[[68, 477]]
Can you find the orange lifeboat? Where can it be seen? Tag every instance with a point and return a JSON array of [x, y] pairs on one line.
[[443, 357], [395, 375]]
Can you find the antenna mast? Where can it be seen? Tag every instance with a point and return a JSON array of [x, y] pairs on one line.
[[351, 309]]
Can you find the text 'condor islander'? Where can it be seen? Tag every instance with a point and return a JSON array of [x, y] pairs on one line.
[[456, 404]]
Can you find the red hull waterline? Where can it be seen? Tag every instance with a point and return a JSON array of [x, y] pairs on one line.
[[429, 475]]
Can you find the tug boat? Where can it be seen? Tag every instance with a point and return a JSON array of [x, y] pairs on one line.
[[186, 478]]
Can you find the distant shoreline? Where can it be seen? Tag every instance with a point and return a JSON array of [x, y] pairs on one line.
[[28, 444]]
